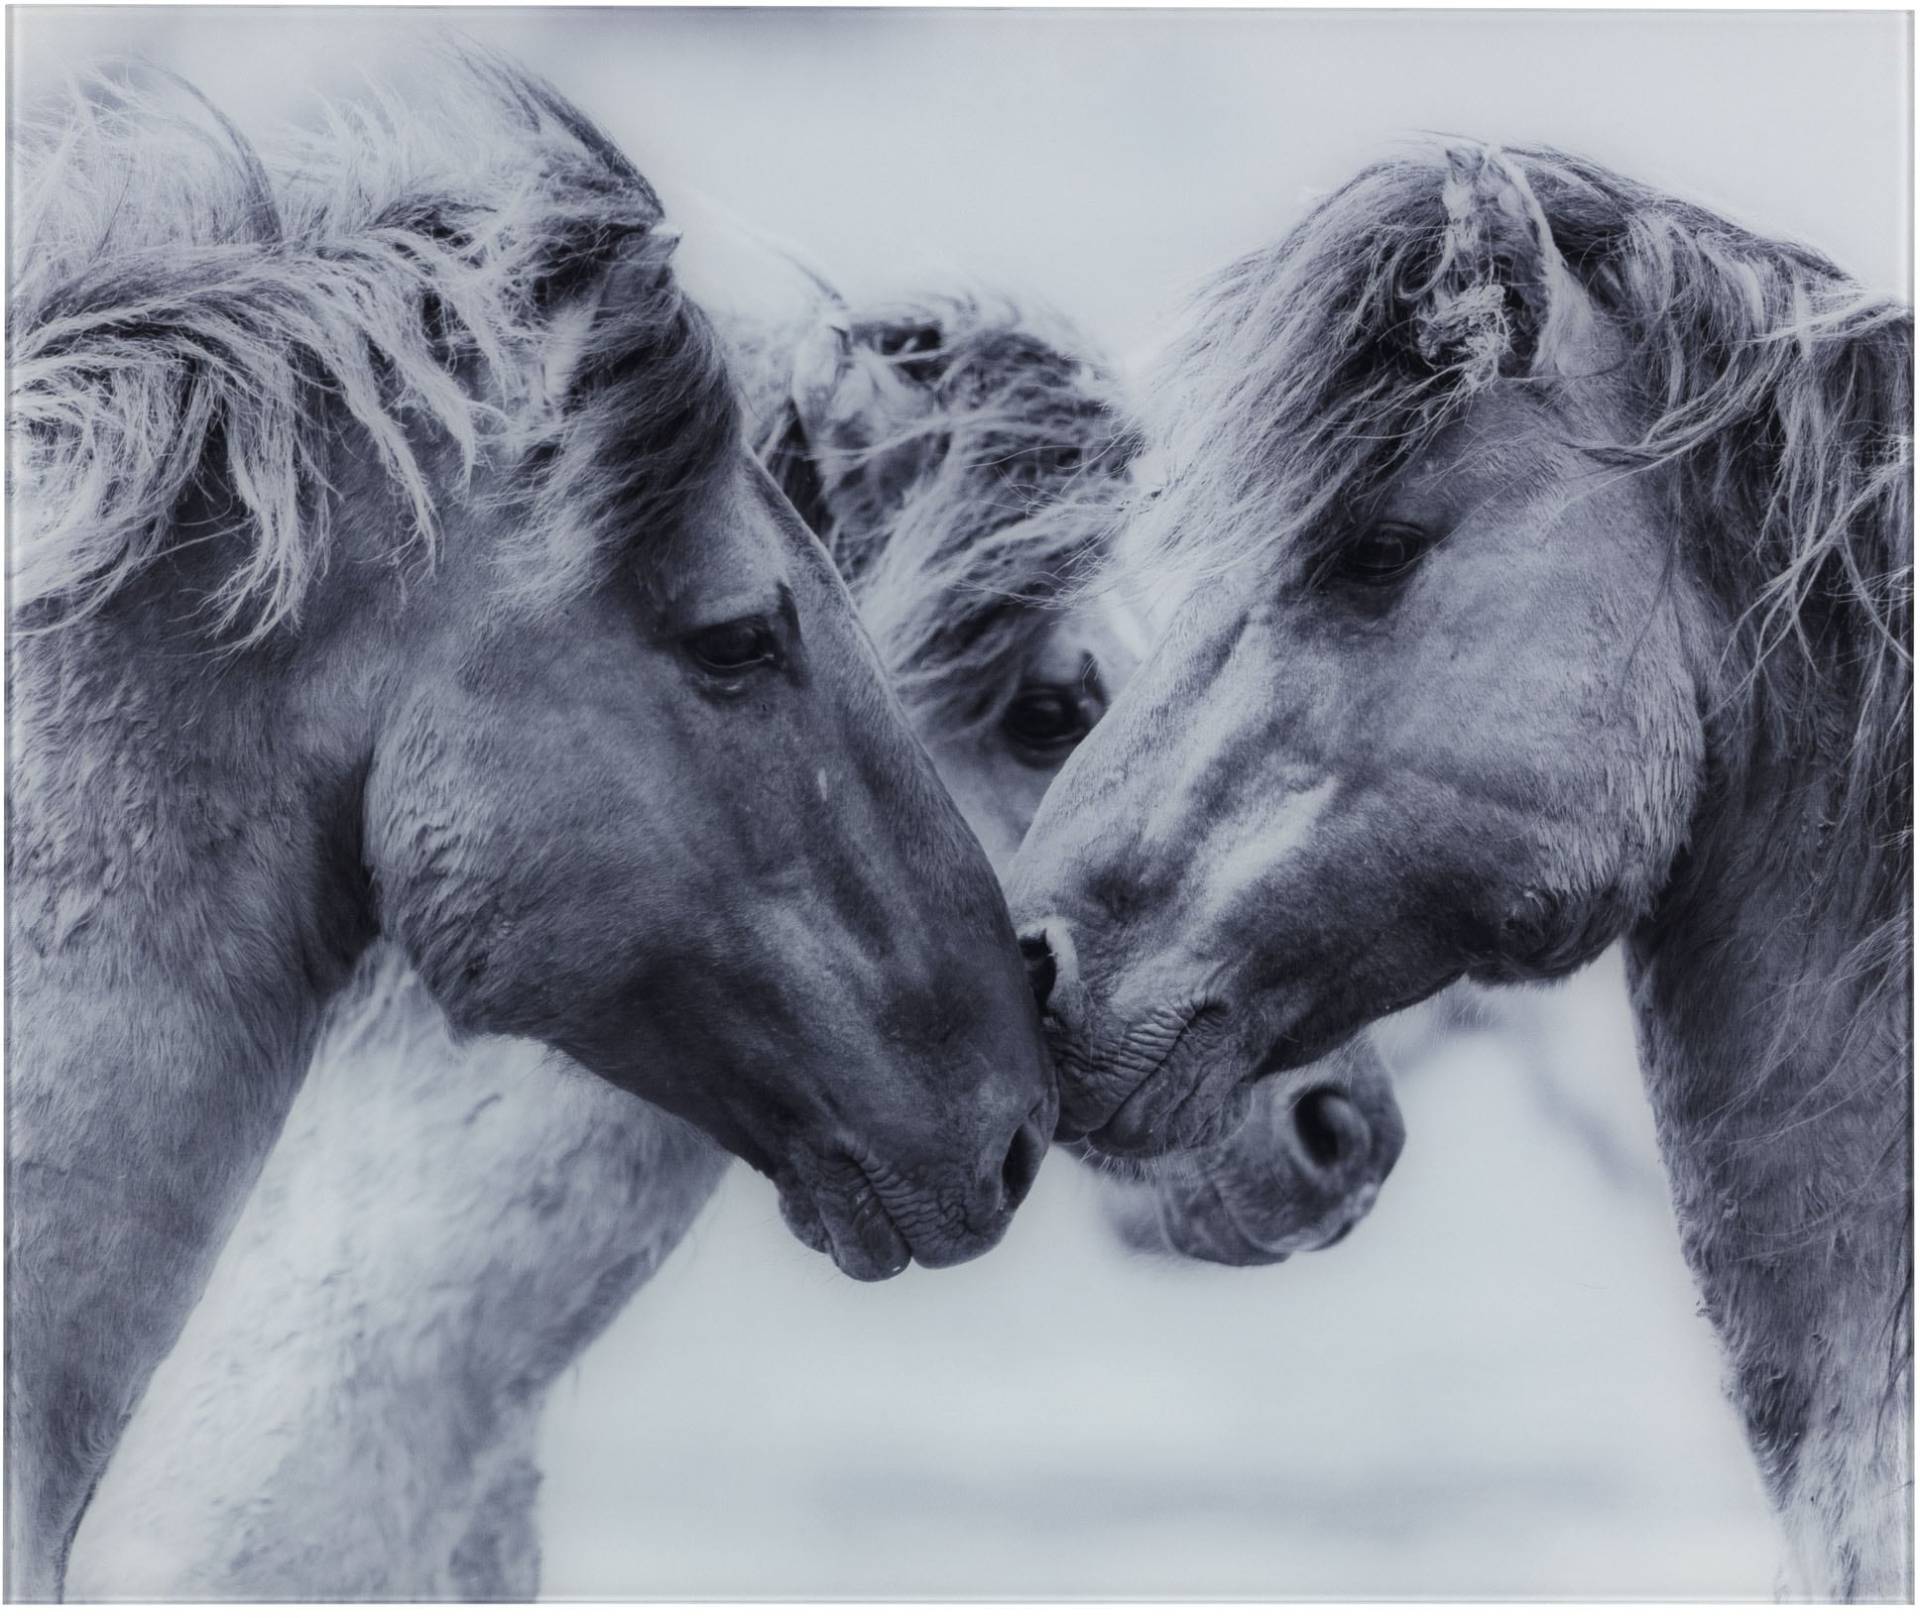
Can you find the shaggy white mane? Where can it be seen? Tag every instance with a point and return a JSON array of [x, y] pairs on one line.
[[192, 313]]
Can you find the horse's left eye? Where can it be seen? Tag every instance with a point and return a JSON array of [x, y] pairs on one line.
[[732, 648], [1383, 554], [1046, 722]]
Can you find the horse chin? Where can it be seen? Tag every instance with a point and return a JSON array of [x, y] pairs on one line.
[[1213, 1221], [853, 1229], [1202, 1223]]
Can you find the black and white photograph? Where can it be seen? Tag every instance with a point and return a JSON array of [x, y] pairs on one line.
[[916, 803]]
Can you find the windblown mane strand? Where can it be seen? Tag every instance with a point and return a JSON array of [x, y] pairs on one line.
[[654, 420], [190, 315]]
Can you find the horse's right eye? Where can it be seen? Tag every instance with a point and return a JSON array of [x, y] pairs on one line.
[[733, 648], [1046, 722], [1382, 555]]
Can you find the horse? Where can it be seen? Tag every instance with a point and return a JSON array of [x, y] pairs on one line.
[[390, 563], [353, 1409], [1553, 564]]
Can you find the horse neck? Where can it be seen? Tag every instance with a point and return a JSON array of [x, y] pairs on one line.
[[1774, 1034], [182, 878], [186, 820]]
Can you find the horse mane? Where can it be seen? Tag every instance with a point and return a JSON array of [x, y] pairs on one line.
[[1021, 445], [1775, 390], [197, 315]]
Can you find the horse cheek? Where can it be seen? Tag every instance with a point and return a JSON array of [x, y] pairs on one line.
[[422, 832]]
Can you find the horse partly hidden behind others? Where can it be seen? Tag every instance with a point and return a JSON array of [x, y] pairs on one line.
[[446, 1224], [1554, 550], [390, 563]]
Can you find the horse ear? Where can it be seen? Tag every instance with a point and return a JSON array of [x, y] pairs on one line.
[[849, 437], [821, 362], [849, 378], [574, 298], [787, 448], [1502, 301]]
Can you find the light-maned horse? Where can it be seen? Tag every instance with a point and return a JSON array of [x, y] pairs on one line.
[[1557, 579], [390, 562], [446, 1224]]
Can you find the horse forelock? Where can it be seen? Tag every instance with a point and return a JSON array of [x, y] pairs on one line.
[[1297, 384], [653, 422], [1026, 444], [193, 310]]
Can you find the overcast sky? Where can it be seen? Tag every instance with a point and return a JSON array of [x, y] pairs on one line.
[[1105, 159]]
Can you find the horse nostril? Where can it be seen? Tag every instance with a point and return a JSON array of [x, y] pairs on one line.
[[1042, 970], [1023, 1162], [1331, 1129]]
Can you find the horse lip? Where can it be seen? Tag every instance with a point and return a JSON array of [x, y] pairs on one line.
[[1101, 1135], [802, 1216], [855, 1252], [871, 1261], [1249, 1249]]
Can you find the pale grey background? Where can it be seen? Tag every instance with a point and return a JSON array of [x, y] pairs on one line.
[[1498, 1385]]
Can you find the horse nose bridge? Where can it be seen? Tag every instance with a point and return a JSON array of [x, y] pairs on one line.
[[1088, 887], [923, 902], [971, 1021]]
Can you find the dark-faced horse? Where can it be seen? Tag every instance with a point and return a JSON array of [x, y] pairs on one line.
[[390, 563], [1555, 564]]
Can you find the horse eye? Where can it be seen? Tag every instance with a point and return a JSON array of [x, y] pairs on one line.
[[732, 648], [1382, 555], [1047, 721]]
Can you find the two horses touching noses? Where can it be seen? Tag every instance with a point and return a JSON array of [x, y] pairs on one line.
[[1555, 561]]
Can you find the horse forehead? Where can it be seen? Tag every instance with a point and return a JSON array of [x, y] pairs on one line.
[[1120, 630], [738, 536], [1517, 429], [749, 502]]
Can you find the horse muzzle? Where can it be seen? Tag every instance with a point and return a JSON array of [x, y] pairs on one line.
[[873, 1219], [1298, 1176]]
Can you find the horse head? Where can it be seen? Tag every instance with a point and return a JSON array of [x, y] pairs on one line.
[[435, 542], [671, 820], [1434, 705]]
